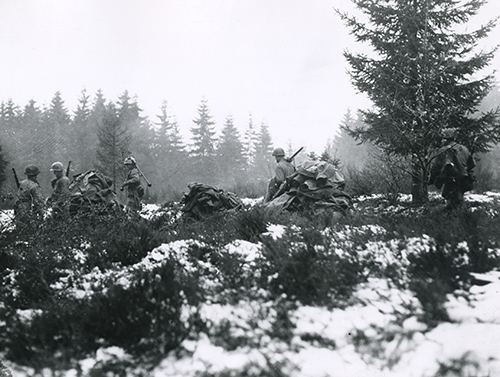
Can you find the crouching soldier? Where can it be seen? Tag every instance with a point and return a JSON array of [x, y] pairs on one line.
[[60, 190], [284, 169], [135, 191], [29, 204]]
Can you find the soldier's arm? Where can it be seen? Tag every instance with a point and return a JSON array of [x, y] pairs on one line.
[[280, 174], [63, 185], [37, 197], [134, 179]]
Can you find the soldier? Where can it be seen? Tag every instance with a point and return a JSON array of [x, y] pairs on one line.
[[29, 204], [60, 189], [284, 169], [133, 185]]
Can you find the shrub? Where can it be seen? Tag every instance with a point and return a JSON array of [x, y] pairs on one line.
[[144, 317], [304, 266]]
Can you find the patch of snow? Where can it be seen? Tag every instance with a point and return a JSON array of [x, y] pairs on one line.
[[251, 202], [149, 211], [248, 250], [275, 231], [481, 306], [6, 220], [111, 353], [478, 198], [27, 315]]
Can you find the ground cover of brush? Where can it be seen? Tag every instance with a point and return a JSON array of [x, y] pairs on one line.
[[387, 290]]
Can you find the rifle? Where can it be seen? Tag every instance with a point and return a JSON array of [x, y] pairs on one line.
[[290, 159], [16, 178], [68, 169]]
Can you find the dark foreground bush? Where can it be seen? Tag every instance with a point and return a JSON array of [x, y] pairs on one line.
[[305, 267], [143, 317]]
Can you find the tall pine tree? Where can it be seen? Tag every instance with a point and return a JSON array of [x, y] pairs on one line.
[[250, 140], [55, 139], [113, 145], [422, 79], [230, 153], [3, 168], [203, 148], [263, 162], [83, 135]]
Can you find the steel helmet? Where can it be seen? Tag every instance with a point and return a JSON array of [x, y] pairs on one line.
[[31, 170], [129, 161], [57, 166], [279, 152]]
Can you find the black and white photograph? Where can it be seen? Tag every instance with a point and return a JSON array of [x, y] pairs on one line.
[[249, 188]]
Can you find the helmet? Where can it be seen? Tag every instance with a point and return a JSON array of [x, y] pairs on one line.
[[129, 161], [279, 152], [31, 170], [57, 166]]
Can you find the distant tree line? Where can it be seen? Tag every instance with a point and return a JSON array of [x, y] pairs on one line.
[[100, 133]]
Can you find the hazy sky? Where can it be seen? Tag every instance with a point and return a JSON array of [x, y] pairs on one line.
[[280, 60]]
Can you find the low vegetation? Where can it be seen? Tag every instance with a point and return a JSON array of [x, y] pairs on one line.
[[240, 293]]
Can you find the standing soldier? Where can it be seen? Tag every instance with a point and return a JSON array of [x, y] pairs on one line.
[[60, 190], [284, 169], [29, 204], [133, 185]]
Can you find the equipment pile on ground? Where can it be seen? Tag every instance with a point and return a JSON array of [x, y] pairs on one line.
[[204, 200], [91, 191], [315, 185]]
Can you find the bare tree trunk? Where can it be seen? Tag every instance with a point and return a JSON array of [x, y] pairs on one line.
[[419, 188]]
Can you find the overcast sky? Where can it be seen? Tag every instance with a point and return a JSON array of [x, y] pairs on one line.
[[280, 60]]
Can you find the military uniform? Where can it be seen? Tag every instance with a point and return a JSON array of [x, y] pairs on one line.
[[132, 183], [60, 191], [284, 169], [29, 204], [452, 169]]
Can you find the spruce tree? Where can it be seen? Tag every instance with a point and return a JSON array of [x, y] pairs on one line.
[[422, 79], [230, 153], [249, 142], [263, 162], [56, 135], [113, 145], [203, 148], [167, 136], [83, 135], [3, 168], [31, 119], [172, 165]]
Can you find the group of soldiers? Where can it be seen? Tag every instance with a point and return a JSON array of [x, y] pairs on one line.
[[456, 163], [30, 203]]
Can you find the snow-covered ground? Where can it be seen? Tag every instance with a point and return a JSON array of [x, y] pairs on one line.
[[378, 332], [6, 220]]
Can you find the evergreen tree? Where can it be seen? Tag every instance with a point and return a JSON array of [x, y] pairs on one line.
[[172, 165], [10, 128], [344, 146], [230, 153], [3, 168], [113, 145], [203, 149], [249, 143], [84, 135], [263, 162], [422, 79], [168, 139], [55, 138], [31, 120]]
